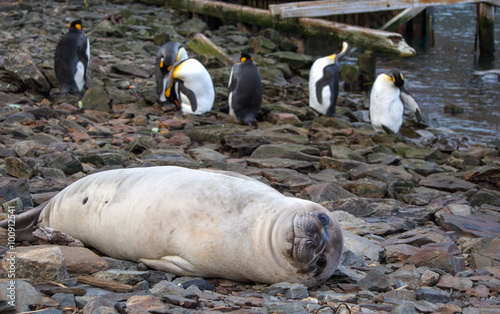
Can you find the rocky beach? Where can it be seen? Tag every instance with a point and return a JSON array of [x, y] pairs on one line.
[[420, 210]]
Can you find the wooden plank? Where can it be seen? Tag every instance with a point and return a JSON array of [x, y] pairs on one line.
[[402, 18], [105, 283], [339, 7], [376, 40]]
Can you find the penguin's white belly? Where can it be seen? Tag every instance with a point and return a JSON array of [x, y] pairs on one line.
[[386, 109], [230, 103], [315, 75], [80, 75], [201, 85]]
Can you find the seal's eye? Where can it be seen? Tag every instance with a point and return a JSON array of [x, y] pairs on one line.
[[325, 221]]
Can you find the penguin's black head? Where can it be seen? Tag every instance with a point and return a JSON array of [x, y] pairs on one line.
[[245, 56], [397, 77], [76, 24]]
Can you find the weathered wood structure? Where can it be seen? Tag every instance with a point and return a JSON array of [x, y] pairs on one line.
[[337, 7], [296, 17], [377, 40], [485, 9]]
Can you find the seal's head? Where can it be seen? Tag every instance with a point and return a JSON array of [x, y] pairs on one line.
[[309, 241], [317, 244]]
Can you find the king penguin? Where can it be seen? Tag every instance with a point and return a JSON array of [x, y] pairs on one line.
[[190, 87], [168, 54], [245, 90], [324, 79], [72, 60], [387, 100]]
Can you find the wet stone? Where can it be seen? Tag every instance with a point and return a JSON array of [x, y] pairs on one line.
[[11, 188], [399, 252], [99, 305], [405, 308], [375, 280], [486, 253], [202, 284], [64, 299], [96, 98], [455, 283], [22, 67], [470, 226], [433, 295], [325, 192], [435, 258], [289, 290], [288, 179], [299, 165], [144, 303], [446, 183], [40, 265], [26, 296], [429, 278], [366, 188], [128, 277], [165, 288], [291, 151]]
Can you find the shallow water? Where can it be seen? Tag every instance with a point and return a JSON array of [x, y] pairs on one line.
[[442, 75]]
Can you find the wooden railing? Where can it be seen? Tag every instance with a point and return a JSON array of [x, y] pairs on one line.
[[338, 7]]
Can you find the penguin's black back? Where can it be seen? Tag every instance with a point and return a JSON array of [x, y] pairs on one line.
[[70, 49], [168, 52], [246, 92]]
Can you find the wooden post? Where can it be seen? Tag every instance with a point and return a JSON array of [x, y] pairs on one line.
[[486, 30], [367, 65]]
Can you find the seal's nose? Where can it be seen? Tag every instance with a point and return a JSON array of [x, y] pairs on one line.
[[324, 238]]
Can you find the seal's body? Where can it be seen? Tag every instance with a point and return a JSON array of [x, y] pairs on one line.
[[324, 79], [71, 60], [168, 54], [387, 100], [230, 226], [190, 87], [245, 90]]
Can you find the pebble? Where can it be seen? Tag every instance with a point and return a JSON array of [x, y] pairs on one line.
[[420, 214]]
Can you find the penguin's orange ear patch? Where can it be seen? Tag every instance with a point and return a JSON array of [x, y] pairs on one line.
[[78, 26], [243, 59]]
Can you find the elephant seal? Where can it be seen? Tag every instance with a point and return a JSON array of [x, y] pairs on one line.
[[211, 224]]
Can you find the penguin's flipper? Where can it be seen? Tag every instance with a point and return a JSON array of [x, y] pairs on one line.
[[159, 76], [233, 78], [409, 101], [189, 94], [418, 115], [82, 51], [324, 81], [387, 130]]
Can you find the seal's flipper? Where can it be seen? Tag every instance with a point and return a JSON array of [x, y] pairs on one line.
[[25, 223], [26, 219], [170, 264]]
